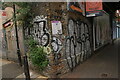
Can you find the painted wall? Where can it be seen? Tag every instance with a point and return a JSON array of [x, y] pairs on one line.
[[70, 41], [102, 31], [9, 38], [11, 46]]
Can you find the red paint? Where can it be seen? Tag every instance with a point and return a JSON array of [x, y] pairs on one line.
[[3, 13], [93, 6]]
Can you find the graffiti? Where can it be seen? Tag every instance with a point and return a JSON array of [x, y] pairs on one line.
[[47, 50], [69, 52], [77, 44], [56, 44], [40, 33], [4, 44]]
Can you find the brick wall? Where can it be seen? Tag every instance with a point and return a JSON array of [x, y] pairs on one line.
[[62, 61]]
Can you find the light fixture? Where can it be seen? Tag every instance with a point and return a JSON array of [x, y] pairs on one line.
[[117, 11]]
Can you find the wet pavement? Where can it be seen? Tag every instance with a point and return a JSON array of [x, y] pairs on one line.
[[104, 64]]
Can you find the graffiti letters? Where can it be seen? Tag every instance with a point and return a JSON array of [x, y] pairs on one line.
[[56, 44], [40, 32], [77, 44]]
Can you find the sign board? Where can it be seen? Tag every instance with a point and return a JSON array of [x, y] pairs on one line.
[[7, 24], [56, 27], [94, 13], [93, 8], [7, 15], [82, 6], [3, 13], [77, 6], [4, 16]]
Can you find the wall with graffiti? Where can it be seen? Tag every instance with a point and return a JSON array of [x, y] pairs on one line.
[[67, 36], [77, 43], [39, 31], [47, 30]]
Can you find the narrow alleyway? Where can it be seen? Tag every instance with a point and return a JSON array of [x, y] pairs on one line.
[[60, 35], [104, 64]]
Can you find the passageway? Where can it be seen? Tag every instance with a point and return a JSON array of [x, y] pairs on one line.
[[104, 64]]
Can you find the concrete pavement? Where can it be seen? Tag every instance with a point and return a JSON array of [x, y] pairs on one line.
[[104, 64], [12, 71]]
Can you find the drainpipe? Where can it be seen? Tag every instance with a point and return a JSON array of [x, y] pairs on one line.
[[17, 41]]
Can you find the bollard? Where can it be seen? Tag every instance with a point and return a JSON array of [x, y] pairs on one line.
[[26, 68]]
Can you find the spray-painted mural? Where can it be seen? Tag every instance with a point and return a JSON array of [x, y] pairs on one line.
[[56, 44], [77, 44], [40, 32], [51, 41]]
